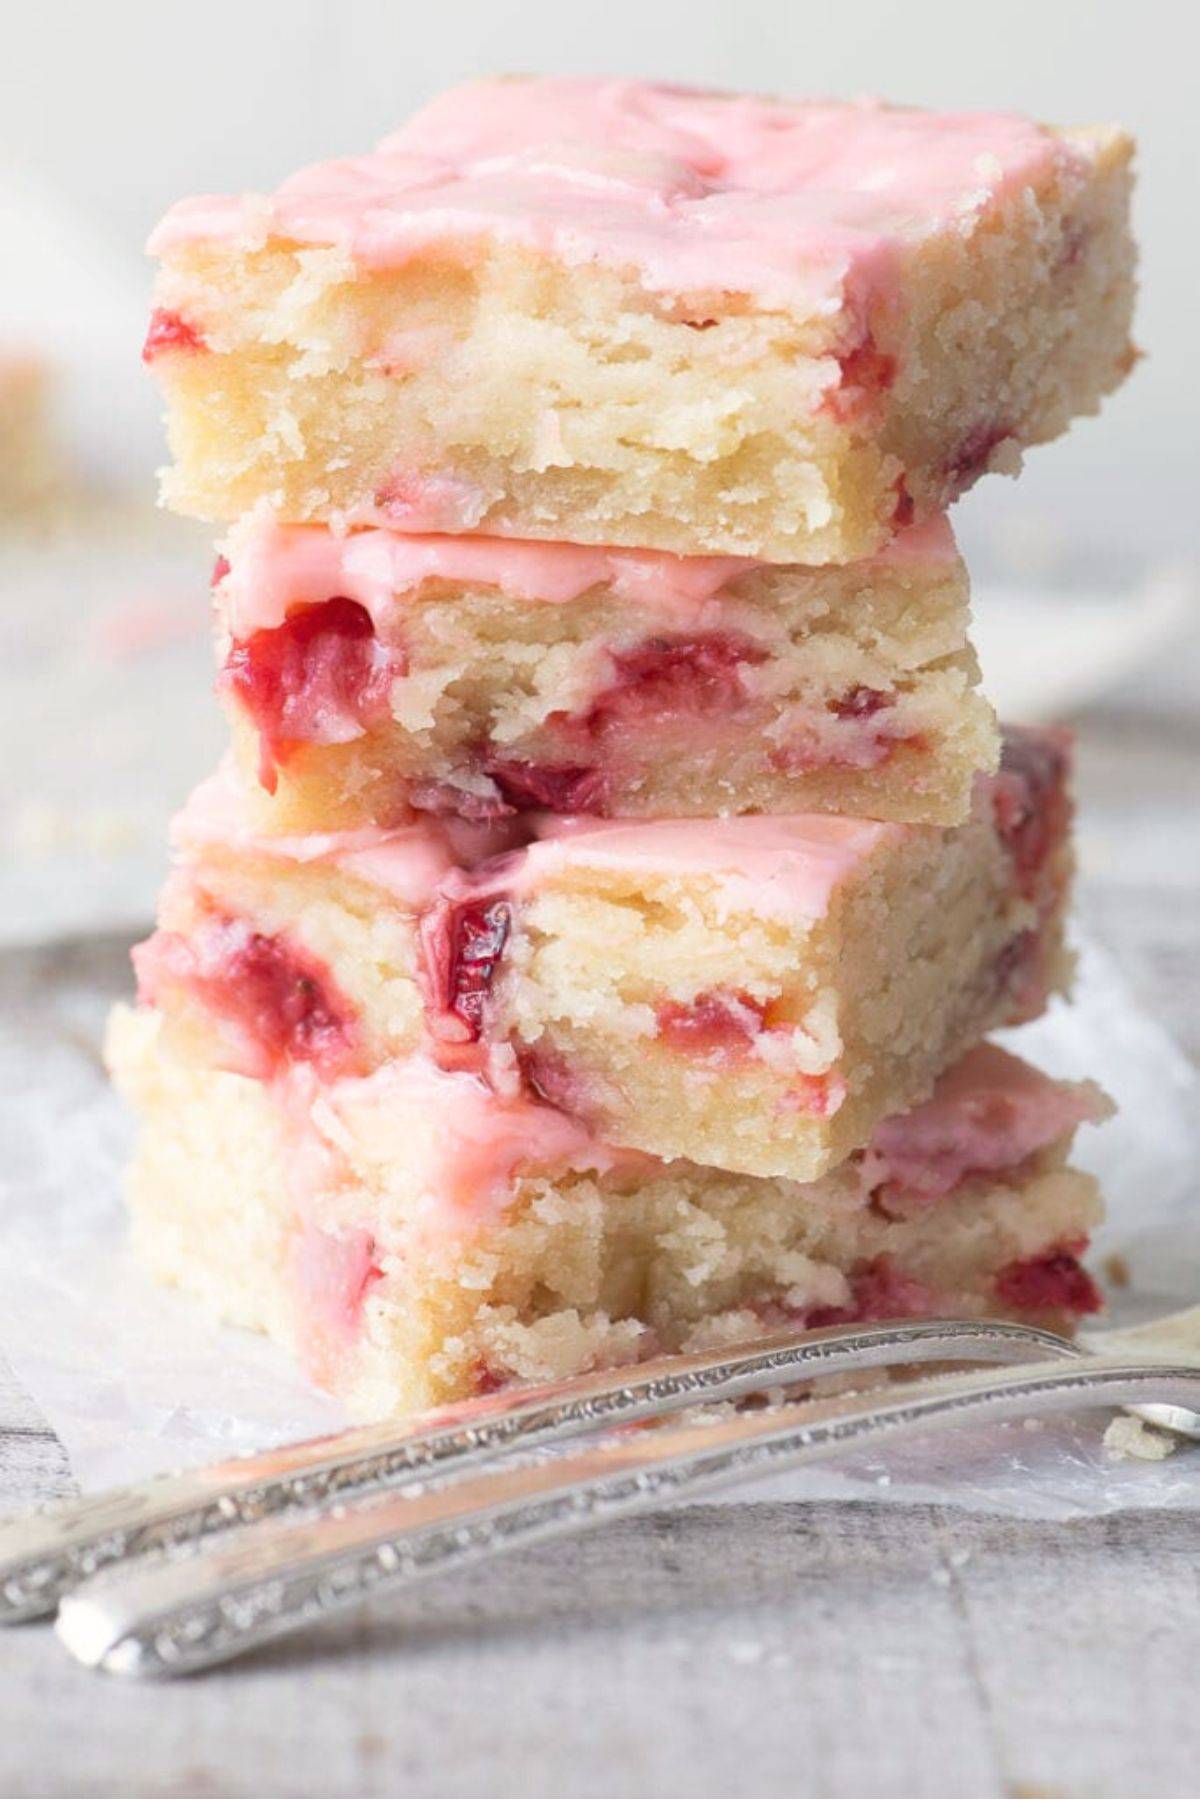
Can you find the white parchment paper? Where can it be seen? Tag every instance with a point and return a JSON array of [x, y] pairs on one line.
[[134, 1379]]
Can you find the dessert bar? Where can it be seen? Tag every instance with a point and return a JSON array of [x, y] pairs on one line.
[[369, 675], [754, 993], [415, 1238], [614, 312]]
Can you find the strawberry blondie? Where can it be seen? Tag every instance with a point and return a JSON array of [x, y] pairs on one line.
[[614, 312], [755, 992], [416, 1237], [370, 675]]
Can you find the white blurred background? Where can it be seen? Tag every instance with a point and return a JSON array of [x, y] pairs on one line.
[[114, 110], [1084, 569]]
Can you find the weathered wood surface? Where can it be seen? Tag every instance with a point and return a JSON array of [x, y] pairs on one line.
[[766, 1650]]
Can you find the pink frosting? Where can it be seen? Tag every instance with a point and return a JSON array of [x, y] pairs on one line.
[[467, 1144], [274, 568], [410, 861], [990, 1112], [789, 866], [813, 201]]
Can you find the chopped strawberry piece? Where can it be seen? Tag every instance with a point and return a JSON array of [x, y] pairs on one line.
[[713, 1024], [820, 1095], [487, 1380], [560, 790], [862, 703], [905, 509], [1031, 800], [322, 677], [867, 367], [462, 944], [169, 331], [220, 570], [664, 678], [274, 1003], [1053, 1282], [971, 458], [878, 1290]]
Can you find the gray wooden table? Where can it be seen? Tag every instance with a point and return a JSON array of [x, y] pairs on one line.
[[765, 1650]]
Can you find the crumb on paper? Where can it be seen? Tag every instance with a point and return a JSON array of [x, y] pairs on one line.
[[1130, 1437], [1116, 1271]]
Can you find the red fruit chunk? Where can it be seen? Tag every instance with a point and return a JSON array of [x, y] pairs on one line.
[[878, 1290], [487, 1380], [220, 570], [562, 790], [972, 456], [713, 1024], [867, 366], [820, 1095], [661, 678], [1055, 1282], [1032, 805], [274, 1003], [862, 703], [866, 372], [322, 677], [462, 943], [169, 331]]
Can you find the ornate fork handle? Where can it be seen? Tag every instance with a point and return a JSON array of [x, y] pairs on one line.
[[44, 1555], [173, 1617]]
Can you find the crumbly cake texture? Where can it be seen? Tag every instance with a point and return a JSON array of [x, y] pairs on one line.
[[754, 993], [369, 675], [612, 312], [415, 1239]]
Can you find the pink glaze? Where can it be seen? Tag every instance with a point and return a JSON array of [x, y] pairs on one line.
[[788, 866], [812, 202], [464, 1145], [409, 861], [989, 1113], [334, 1271], [271, 569]]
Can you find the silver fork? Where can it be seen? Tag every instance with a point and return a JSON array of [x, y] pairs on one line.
[[174, 1616], [44, 1556], [46, 1553]]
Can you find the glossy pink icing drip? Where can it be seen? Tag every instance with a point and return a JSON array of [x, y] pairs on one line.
[[465, 1145], [788, 865], [990, 1112], [274, 568], [696, 190], [410, 861]]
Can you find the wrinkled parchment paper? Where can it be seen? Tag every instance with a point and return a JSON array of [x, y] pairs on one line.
[[134, 1379]]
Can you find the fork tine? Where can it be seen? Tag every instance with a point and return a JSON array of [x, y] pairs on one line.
[[45, 1554], [172, 1618]]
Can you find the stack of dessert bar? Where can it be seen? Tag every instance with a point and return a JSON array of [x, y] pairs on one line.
[[588, 946]]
